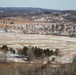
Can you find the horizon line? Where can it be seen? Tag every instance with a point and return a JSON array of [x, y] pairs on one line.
[[35, 7]]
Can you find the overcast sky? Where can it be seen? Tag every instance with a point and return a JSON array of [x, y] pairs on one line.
[[50, 4]]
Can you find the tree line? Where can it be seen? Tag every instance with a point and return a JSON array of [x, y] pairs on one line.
[[37, 52], [33, 52]]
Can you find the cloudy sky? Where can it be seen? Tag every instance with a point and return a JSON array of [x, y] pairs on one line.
[[50, 4]]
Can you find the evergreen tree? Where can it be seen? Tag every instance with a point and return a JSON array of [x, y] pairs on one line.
[[25, 50], [48, 52], [4, 48], [38, 52]]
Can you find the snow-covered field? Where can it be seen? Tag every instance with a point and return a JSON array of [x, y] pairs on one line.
[[67, 45]]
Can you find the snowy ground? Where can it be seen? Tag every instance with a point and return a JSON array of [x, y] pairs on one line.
[[67, 45]]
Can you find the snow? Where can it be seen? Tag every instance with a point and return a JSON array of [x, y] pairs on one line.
[[63, 59], [66, 45], [12, 57]]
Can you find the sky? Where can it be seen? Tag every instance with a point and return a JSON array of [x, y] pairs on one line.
[[50, 4]]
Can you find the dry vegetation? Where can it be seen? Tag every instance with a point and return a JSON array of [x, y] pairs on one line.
[[32, 69], [66, 45], [14, 40], [19, 40]]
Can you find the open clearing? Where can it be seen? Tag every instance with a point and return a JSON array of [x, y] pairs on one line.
[[67, 45]]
